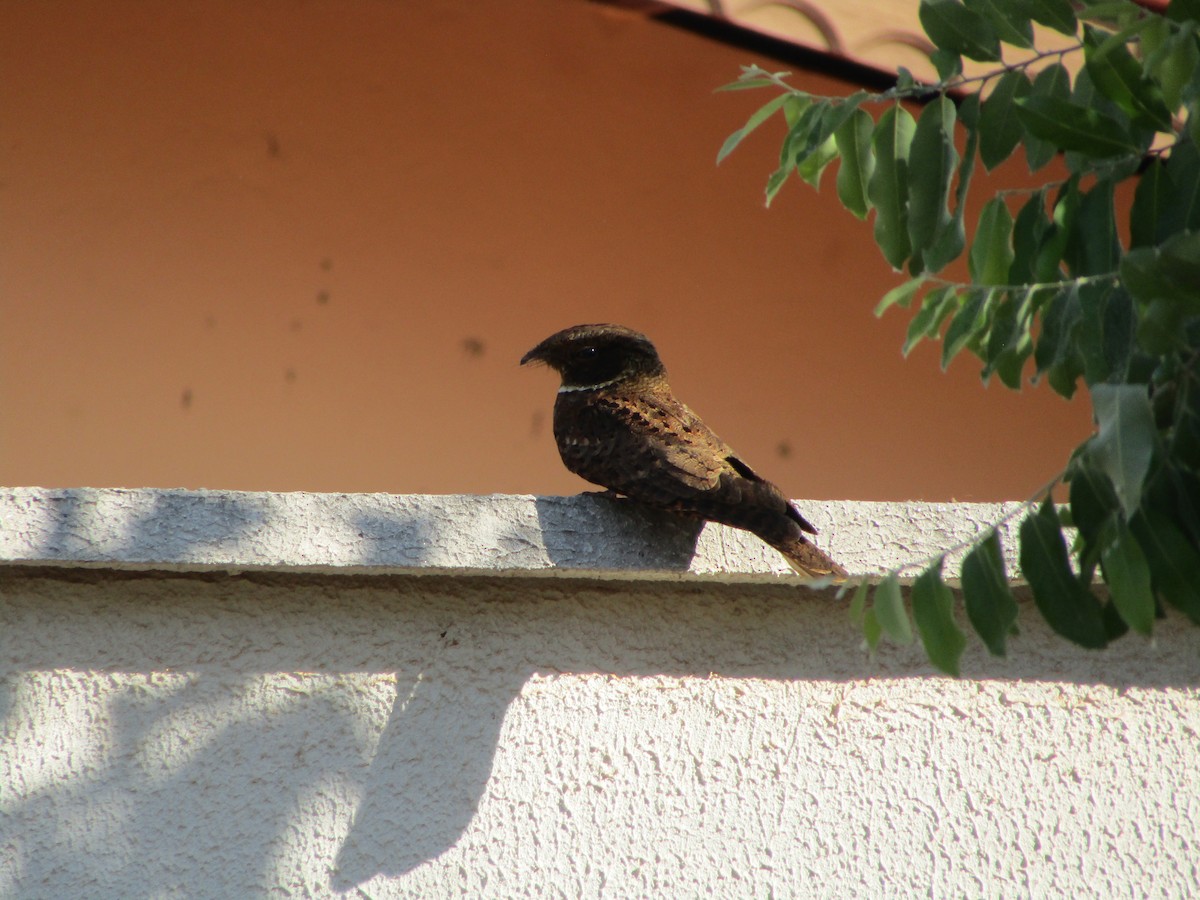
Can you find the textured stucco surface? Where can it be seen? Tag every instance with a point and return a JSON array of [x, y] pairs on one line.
[[450, 533], [270, 733]]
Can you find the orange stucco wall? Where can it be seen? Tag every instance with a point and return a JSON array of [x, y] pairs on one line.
[[301, 246]]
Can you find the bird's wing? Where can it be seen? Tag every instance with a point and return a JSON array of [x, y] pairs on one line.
[[681, 444], [631, 445], [654, 449]]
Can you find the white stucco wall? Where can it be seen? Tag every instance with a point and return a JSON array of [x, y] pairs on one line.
[[198, 701]]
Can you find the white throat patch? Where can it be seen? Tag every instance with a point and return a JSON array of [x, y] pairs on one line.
[[570, 389]]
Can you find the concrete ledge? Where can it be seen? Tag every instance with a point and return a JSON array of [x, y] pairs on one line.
[[579, 536]]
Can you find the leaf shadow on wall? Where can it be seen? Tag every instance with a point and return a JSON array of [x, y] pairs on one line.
[[432, 763]]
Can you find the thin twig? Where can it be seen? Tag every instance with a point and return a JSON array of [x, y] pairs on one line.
[[1038, 285]]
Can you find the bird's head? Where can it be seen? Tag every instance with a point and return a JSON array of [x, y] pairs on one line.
[[596, 356]]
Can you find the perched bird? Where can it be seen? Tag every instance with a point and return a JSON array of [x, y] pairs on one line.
[[618, 425]]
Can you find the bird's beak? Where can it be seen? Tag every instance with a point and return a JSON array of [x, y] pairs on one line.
[[535, 355]]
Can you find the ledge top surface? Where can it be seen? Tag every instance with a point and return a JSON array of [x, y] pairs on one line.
[[496, 535]]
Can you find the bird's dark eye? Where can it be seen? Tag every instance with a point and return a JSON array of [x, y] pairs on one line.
[[593, 363]]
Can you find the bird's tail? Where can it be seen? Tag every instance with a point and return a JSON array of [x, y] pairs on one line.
[[809, 560]]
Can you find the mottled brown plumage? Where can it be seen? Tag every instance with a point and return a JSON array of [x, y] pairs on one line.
[[618, 425]]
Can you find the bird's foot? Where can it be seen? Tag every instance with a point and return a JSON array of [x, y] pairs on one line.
[[607, 493]]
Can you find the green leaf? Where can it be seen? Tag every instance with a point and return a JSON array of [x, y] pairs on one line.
[[1174, 561], [805, 135], [760, 115], [810, 145], [1046, 265], [1093, 500], [1183, 412], [810, 168], [1120, 337], [1125, 442], [1118, 345], [1056, 355], [951, 26], [929, 183], [1141, 275], [1179, 259], [1118, 76], [887, 188], [1152, 45], [947, 243], [754, 77], [1114, 625], [947, 63], [1086, 95], [1071, 127], [1177, 67], [1112, 12], [1153, 195], [1094, 504], [889, 609], [936, 306], [746, 84], [1027, 234], [1160, 327], [1183, 212], [1089, 334], [933, 611], [991, 253], [986, 594], [967, 323], [1054, 81], [1168, 273], [951, 237], [1092, 246], [853, 139], [968, 113], [1182, 10], [1056, 14], [1000, 129], [1068, 606], [871, 628], [776, 181], [795, 105], [1010, 25], [901, 295], [840, 113], [1010, 341], [1011, 364], [1145, 275], [858, 604], [1128, 576]]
